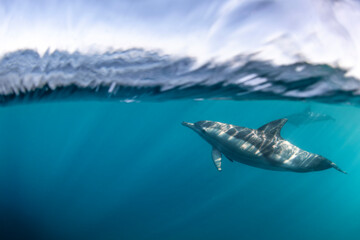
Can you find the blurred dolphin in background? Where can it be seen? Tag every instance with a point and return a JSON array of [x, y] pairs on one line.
[[308, 116]]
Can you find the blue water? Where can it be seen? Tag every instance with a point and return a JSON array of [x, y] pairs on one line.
[[111, 170]]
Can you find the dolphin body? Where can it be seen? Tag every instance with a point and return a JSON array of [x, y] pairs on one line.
[[262, 147]]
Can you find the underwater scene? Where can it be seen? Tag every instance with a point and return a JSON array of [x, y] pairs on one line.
[[157, 119]]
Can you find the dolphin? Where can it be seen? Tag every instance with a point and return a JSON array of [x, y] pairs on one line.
[[308, 116], [261, 148]]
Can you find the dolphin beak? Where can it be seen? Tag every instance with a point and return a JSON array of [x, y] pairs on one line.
[[189, 125]]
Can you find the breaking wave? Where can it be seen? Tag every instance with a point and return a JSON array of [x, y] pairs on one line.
[[240, 50], [140, 75]]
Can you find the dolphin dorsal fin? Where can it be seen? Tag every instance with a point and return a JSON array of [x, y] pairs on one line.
[[273, 127], [307, 109]]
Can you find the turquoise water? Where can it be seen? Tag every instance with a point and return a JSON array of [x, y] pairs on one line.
[[112, 170]]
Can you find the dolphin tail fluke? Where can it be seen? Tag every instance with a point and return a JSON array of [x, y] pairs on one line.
[[337, 168]]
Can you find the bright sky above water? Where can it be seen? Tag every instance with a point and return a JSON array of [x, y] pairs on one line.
[[281, 31]]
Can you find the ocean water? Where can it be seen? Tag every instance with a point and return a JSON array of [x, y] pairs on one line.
[[100, 170], [92, 96]]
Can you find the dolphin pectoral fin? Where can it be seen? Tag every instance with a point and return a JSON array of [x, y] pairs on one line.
[[231, 160], [216, 156]]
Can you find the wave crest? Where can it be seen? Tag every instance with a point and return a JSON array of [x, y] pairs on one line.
[[138, 75]]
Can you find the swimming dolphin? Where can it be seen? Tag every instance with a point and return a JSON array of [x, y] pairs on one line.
[[262, 147], [308, 116]]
